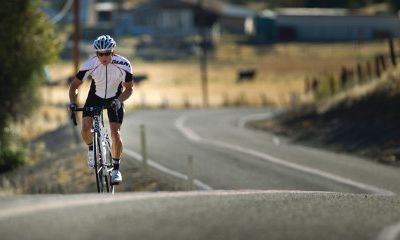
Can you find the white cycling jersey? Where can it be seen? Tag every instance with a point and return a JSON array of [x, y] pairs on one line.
[[107, 79]]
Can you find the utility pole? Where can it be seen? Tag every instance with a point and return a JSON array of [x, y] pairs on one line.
[[203, 61], [75, 51]]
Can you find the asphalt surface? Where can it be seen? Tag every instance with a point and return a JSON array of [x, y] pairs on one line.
[[200, 215], [259, 186], [229, 156]]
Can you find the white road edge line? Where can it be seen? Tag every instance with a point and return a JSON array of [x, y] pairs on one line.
[[258, 116], [166, 170], [191, 135], [390, 232]]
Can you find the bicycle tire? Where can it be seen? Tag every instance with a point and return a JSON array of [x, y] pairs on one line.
[[96, 162], [100, 178], [104, 180], [110, 165]]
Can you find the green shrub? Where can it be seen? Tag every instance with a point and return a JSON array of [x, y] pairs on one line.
[[11, 159], [29, 42]]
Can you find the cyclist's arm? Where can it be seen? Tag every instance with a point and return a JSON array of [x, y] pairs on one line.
[[73, 89], [127, 91]]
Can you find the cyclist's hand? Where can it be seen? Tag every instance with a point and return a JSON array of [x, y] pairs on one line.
[[116, 104], [72, 107]]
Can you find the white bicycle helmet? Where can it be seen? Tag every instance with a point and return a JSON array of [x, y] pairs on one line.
[[104, 43]]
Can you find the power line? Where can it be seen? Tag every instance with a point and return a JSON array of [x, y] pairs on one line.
[[63, 12]]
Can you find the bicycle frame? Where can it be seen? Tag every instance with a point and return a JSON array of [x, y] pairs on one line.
[[102, 166], [101, 150]]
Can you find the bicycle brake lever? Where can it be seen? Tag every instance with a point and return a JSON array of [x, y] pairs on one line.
[[73, 117]]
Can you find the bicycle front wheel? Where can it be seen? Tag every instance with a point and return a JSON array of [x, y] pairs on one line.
[[108, 164], [98, 166]]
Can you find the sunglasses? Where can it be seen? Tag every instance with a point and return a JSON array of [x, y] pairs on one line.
[[99, 54]]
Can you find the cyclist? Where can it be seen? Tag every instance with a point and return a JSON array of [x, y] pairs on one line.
[[112, 84]]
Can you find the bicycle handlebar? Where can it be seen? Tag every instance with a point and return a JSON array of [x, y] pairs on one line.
[[96, 109]]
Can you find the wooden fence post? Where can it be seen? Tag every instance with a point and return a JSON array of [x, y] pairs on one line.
[[144, 148], [377, 67], [243, 99], [344, 78], [369, 70], [332, 86], [225, 102], [307, 85], [190, 178], [360, 73], [350, 75], [314, 85], [164, 102], [383, 62], [264, 100], [392, 52], [186, 102]]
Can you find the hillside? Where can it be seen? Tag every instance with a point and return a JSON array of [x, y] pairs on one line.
[[363, 124]]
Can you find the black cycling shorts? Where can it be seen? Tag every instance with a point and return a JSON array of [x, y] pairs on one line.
[[94, 101]]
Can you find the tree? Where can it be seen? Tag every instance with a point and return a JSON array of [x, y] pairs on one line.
[[395, 4], [28, 42]]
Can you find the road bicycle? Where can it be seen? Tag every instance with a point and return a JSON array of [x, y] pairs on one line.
[[101, 149]]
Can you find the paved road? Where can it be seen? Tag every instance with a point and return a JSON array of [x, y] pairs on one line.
[[201, 215], [230, 156], [298, 192]]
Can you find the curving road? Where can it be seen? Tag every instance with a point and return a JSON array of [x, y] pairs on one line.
[[297, 192], [229, 156]]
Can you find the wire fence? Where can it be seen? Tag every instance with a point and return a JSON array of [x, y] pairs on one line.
[[351, 76]]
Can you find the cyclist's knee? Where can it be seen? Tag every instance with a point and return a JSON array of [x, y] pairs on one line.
[[116, 136], [86, 126], [115, 132]]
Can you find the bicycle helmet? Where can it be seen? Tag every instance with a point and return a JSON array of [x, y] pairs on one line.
[[104, 43]]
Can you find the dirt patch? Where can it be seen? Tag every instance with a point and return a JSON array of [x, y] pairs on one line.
[[57, 164]]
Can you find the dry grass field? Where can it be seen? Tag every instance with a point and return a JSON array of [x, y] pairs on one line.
[[281, 70]]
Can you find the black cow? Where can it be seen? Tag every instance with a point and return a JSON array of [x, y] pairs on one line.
[[246, 75], [137, 78]]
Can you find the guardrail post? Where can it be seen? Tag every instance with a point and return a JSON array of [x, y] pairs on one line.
[[144, 148], [190, 179]]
